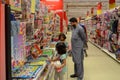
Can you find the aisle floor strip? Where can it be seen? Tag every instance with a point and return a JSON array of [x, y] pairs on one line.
[[106, 51]]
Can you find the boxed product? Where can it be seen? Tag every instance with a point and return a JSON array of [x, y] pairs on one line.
[[48, 52], [26, 72], [37, 63]]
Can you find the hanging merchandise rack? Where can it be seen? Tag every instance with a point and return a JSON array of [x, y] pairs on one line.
[[103, 32]]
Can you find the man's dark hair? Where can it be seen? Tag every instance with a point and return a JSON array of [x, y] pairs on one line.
[[73, 19]]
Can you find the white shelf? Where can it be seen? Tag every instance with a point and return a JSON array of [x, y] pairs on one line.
[[51, 68], [111, 54], [40, 72], [47, 74], [51, 73], [106, 51]]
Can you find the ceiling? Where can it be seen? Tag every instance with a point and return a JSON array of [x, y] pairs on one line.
[[79, 8]]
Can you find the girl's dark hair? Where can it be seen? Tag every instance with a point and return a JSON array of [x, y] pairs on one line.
[[61, 48], [63, 35]]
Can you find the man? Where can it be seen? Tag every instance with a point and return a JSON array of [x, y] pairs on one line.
[[77, 41], [85, 45]]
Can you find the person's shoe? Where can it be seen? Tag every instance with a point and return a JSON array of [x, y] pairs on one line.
[[73, 76], [86, 55]]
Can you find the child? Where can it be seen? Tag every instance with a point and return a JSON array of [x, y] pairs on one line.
[[59, 62], [62, 38]]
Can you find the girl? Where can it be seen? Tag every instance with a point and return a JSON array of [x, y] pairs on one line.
[[59, 62], [62, 38]]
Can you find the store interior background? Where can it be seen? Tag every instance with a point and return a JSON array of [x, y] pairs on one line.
[[72, 8], [79, 8]]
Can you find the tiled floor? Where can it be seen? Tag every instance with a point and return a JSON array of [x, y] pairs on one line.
[[97, 66]]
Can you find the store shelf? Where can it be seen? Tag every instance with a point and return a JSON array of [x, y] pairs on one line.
[[111, 55], [40, 72], [51, 73], [50, 69], [47, 74], [31, 42], [106, 51]]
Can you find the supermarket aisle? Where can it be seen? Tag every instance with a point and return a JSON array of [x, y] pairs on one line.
[[98, 65]]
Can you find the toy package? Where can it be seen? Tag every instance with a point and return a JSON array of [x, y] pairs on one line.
[[26, 72], [48, 52], [35, 51]]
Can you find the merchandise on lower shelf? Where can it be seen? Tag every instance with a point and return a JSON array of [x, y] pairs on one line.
[[48, 52], [37, 63], [26, 72], [40, 58]]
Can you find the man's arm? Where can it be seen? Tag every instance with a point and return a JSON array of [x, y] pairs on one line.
[[81, 33]]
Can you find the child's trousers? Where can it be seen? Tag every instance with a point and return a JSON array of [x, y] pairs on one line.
[[59, 75]]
